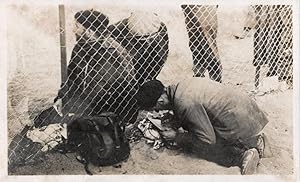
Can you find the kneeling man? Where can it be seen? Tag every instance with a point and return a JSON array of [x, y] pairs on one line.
[[210, 112]]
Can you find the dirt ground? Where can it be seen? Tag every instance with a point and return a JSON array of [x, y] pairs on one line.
[[145, 160], [34, 77]]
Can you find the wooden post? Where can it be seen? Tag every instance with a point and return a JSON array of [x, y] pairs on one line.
[[62, 34]]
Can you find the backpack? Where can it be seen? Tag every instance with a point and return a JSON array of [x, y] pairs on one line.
[[98, 140]]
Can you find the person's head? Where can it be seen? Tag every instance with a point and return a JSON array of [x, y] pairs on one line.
[[152, 95], [90, 20]]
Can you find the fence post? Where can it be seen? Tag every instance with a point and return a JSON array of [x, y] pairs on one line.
[[62, 34]]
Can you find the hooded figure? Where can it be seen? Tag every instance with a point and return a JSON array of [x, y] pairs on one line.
[[146, 38], [100, 71]]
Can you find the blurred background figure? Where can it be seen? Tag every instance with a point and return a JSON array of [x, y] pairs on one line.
[[202, 24], [272, 40]]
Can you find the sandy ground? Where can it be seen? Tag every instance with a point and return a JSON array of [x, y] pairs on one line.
[[34, 77], [145, 160]]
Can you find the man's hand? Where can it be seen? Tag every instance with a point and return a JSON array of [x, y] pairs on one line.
[[58, 107], [168, 134]]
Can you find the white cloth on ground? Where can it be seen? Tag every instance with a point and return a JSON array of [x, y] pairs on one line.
[[49, 136]]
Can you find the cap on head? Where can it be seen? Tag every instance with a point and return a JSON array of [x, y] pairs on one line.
[[92, 19], [149, 93]]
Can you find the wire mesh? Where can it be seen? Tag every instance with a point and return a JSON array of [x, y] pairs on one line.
[[110, 60], [202, 23]]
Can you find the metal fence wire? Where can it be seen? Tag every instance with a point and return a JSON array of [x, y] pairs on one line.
[[272, 40], [109, 61]]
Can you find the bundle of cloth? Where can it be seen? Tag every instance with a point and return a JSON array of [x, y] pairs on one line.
[[48, 136], [151, 125]]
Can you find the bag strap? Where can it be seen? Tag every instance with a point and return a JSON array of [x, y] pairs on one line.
[[112, 120], [116, 133], [97, 133]]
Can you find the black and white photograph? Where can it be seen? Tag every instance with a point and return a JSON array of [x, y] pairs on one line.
[[150, 88]]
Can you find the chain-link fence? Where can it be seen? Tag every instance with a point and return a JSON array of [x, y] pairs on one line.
[[109, 61], [272, 40]]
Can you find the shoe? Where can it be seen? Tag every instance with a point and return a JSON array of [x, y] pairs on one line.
[[261, 145], [249, 162]]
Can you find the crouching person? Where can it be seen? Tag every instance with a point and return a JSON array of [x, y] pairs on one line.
[[146, 38], [210, 113]]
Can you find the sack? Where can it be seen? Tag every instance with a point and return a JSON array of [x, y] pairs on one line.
[[99, 140]]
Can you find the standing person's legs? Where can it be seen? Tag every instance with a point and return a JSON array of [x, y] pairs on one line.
[[256, 77], [215, 70], [201, 24], [196, 37], [214, 67], [198, 52], [258, 53], [204, 57]]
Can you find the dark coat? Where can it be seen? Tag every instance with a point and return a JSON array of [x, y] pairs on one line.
[[102, 72], [108, 71], [150, 51], [210, 110]]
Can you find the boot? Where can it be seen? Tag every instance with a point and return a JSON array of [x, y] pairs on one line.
[[249, 161], [263, 146]]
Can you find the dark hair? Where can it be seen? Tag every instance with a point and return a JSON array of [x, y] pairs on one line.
[[92, 19], [149, 93]]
